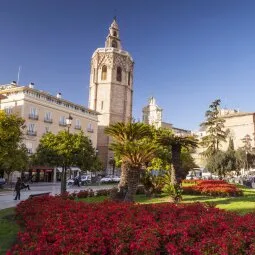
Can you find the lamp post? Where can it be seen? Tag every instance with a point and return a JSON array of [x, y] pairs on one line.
[[247, 166], [68, 124], [112, 162]]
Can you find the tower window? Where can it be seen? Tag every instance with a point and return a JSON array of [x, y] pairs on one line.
[[129, 77], [114, 44], [102, 105], [104, 73], [119, 74], [114, 33]]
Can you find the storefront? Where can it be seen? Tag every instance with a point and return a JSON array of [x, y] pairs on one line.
[[41, 174]]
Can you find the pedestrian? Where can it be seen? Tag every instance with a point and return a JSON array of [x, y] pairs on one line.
[[18, 188]]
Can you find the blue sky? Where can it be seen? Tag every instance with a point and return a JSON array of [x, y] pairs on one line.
[[187, 52]]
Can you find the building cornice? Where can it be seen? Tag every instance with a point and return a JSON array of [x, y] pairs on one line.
[[61, 101]]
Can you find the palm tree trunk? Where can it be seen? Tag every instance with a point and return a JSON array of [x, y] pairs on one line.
[[123, 185], [173, 175], [133, 175], [176, 161]]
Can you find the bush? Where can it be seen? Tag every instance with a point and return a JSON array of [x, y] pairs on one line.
[[103, 192], [53, 225]]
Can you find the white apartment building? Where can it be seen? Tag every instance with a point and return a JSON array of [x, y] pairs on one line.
[[44, 113]]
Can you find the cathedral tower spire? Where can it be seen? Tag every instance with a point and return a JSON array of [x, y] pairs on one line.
[[113, 38], [111, 87]]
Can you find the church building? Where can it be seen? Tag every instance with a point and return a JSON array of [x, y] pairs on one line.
[[152, 115], [111, 87]]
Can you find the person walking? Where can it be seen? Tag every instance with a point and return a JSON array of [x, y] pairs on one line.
[[18, 188]]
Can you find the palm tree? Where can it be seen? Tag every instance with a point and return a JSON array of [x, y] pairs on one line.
[[123, 135], [135, 154], [176, 142]]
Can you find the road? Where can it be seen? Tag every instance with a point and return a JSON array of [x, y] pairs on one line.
[[7, 197]]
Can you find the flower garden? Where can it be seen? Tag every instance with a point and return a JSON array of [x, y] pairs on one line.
[[53, 225], [212, 188], [67, 225]]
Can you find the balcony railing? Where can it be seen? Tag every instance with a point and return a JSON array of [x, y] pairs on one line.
[[90, 130], [31, 133], [78, 127], [47, 120], [33, 116], [62, 124]]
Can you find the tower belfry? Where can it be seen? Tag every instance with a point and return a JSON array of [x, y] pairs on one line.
[[113, 38], [111, 87]]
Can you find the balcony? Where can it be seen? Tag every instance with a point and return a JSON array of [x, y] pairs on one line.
[[47, 120], [62, 124], [90, 130], [78, 127], [33, 116], [31, 133]]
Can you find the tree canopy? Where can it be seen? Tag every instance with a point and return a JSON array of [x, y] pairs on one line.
[[215, 129], [13, 153], [66, 149]]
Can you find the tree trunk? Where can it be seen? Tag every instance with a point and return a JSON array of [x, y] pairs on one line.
[[63, 180], [173, 175], [176, 161], [120, 194], [123, 177], [133, 175]]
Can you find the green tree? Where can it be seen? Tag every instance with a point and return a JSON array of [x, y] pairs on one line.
[[66, 150], [214, 126], [176, 143], [13, 154], [123, 133], [133, 147], [17, 160]]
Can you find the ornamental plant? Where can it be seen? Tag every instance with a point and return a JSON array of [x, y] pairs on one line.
[[213, 188], [53, 225]]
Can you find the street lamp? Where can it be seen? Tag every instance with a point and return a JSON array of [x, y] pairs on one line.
[[68, 124], [112, 162]]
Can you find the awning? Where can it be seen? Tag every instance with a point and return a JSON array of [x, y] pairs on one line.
[[69, 168]]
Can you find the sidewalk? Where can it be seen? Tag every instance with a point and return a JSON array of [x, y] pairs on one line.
[[6, 197]]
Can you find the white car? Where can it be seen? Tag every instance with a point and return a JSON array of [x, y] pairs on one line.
[[110, 178]]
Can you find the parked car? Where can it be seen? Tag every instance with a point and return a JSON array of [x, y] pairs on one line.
[[109, 179], [2, 181], [85, 179]]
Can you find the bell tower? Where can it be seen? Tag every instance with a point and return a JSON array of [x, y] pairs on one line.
[[111, 87]]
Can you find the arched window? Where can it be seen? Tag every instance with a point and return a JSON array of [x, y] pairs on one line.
[[129, 78], [114, 33], [119, 74], [114, 44], [104, 73]]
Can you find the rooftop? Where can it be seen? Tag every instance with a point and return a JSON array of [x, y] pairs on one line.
[[7, 89]]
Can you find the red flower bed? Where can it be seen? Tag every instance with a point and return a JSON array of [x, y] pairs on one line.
[[213, 188], [53, 225]]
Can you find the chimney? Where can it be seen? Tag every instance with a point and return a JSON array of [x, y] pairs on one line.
[[31, 85], [59, 95]]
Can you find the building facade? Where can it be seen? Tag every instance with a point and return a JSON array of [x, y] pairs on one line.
[[111, 87], [152, 115], [44, 113]]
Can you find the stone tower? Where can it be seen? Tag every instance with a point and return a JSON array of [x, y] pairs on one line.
[[111, 87]]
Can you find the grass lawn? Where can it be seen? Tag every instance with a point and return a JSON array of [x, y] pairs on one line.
[[8, 229], [240, 205]]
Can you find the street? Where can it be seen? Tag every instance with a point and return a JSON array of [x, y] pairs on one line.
[[7, 197]]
